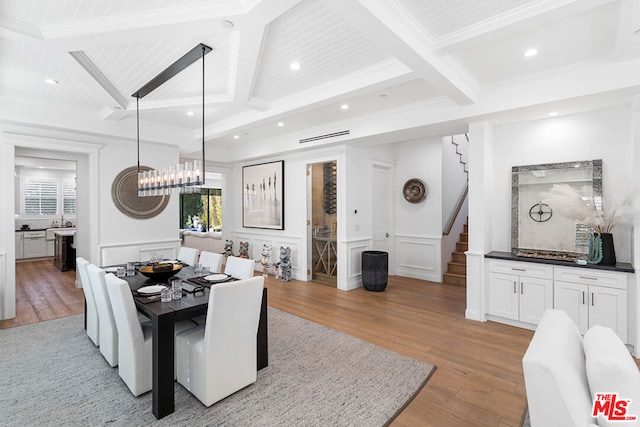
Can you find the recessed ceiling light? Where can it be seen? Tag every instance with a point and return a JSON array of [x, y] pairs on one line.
[[280, 124], [227, 24], [383, 95], [236, 136], [190, 113], [51, 81], [295, 66], [553, 114], [345, 106], [531, 52]]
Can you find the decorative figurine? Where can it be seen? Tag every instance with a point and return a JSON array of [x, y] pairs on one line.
[[266, 258], [285, 263], [228, 248], [244, 250]]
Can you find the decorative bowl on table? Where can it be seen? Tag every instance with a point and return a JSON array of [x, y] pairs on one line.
[[160, 271]]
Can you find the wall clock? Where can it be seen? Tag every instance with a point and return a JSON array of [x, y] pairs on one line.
[[540, 212]]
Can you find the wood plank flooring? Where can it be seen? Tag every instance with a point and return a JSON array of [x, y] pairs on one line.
[[478, 381], [43, 293]]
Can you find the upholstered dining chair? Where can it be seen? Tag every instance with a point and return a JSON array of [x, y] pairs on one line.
[[108, 330], [93, 326], [134, 340], [219, 358], [239, 268], [188, 255], [211, 261]]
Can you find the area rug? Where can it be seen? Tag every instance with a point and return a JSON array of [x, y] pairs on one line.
[[51, 374], [526, 421]]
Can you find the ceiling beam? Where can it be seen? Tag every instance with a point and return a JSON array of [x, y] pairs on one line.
[[247, 42], [388, 25]]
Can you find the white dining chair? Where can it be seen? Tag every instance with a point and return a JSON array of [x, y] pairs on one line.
[[219, 358], [134, 340], [239, 268], [108, 330], [93, 326], [211, 261], [188, 255]]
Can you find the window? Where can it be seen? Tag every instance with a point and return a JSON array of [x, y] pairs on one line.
[[40, 197], [69, 196], [201, 211]]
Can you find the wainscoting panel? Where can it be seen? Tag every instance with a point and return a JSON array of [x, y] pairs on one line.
[[3, 283], [354, 255], [418, 257], [141, 251], [255, 250]]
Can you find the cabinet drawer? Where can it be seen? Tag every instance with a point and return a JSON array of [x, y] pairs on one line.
[[527, 269], [591, 277]]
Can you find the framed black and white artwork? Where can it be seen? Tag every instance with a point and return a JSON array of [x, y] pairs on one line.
[[263, 195]]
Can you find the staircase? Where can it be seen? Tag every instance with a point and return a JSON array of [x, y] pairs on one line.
[[456, 274]]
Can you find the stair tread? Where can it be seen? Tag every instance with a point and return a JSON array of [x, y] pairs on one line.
[[457, 263], [458, 275]]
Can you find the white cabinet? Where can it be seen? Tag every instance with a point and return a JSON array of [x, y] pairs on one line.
[[519, 291], [592, 297], [34, 244], [19, 245]]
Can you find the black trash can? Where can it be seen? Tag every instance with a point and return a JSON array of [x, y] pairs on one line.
[[375, 270]]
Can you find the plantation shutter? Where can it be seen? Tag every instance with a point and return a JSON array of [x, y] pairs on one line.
[[69, 196], [40, 197]]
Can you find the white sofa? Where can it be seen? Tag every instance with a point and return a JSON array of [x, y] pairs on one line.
[[564, 372]]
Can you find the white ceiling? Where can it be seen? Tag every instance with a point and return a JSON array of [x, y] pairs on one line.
[[461, 59]]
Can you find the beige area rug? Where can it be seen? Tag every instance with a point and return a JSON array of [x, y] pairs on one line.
[[51, 374]]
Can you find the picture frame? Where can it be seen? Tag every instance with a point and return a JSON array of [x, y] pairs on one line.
[[263, 195]]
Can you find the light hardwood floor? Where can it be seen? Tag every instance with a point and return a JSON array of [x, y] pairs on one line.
[[478, 380]]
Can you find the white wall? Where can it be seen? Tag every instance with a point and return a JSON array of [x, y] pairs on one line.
[[419, 225], [601, 134], [115, 228]]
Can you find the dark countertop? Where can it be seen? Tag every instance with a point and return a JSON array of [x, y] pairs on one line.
[[623, 267], [31, 229]]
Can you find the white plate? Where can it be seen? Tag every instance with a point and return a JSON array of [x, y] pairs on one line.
[[216, 277], [150, 290]]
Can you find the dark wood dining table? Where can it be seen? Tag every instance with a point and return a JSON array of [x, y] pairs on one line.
[[164, 316]]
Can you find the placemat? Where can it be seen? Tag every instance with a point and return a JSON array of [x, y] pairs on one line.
[[200, 281]]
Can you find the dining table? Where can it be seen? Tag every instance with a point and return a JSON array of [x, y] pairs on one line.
[[164, 316]]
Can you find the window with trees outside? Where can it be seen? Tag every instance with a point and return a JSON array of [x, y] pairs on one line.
[[201, 211]]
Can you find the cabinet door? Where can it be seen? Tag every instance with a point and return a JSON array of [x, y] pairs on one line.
[[536, 296], [608, 307], [503, 295], [34, 247], [573, 298], [19, 246]]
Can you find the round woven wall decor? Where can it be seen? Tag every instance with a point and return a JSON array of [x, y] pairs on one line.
[[124, 192], [414, 190]]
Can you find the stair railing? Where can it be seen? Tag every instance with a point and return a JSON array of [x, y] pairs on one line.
[[456, 211]]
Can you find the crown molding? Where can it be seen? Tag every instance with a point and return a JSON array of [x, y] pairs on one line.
[[147, 19], [12, 28]]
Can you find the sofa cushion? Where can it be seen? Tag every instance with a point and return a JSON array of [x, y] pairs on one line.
[[554, 374], [611, 370]]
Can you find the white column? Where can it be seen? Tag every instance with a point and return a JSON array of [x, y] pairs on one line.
[[633, 307], [480, 205], [7, 231]]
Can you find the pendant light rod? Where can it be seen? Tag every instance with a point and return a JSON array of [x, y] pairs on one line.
[[138, 129], [204, 52], [187, 59]]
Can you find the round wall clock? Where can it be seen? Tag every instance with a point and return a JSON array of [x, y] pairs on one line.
[[124, 192], [414, 190], [540, 212]]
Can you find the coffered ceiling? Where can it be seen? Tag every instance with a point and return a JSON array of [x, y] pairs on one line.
[[457, 57]]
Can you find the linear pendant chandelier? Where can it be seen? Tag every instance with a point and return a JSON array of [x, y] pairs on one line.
[[184, 177]]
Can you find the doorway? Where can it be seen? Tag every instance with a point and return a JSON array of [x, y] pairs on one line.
[[324, 226]]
